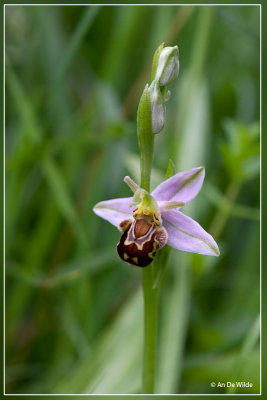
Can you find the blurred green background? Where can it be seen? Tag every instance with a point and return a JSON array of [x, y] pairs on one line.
[[73, 310]]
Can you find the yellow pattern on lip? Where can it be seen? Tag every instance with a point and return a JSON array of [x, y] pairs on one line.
[[146, 206], [141, 210]]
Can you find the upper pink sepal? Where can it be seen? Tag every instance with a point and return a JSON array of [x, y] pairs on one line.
[[182, 187]]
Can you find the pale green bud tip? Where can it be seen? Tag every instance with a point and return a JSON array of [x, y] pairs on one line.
[[168, 66], [157, 105]]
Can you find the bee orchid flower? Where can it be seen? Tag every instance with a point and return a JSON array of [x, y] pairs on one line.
[[150, 221]]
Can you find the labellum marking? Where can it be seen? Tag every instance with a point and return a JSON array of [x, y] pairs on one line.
[[141, 227], [143, 234], [140, 242]]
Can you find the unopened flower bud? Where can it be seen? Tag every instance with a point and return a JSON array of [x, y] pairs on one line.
[[157, 105], [168, 66]]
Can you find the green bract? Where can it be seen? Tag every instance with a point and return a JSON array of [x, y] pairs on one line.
[[157, 106]]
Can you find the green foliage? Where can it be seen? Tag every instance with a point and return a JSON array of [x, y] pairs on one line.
[[73, 315], [241, 150]]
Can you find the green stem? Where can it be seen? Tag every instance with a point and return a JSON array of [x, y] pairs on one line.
[[146, 146], [145, 139], [150, 303], [150, 330], [150, 120]]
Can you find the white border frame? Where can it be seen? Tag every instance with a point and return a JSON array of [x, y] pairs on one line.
[[106, 394]]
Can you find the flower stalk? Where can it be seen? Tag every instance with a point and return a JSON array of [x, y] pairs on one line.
[[150, 329], [146, 146], [150, 120], [145, 138]]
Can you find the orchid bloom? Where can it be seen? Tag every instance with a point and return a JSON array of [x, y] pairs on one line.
[[150, 221]]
